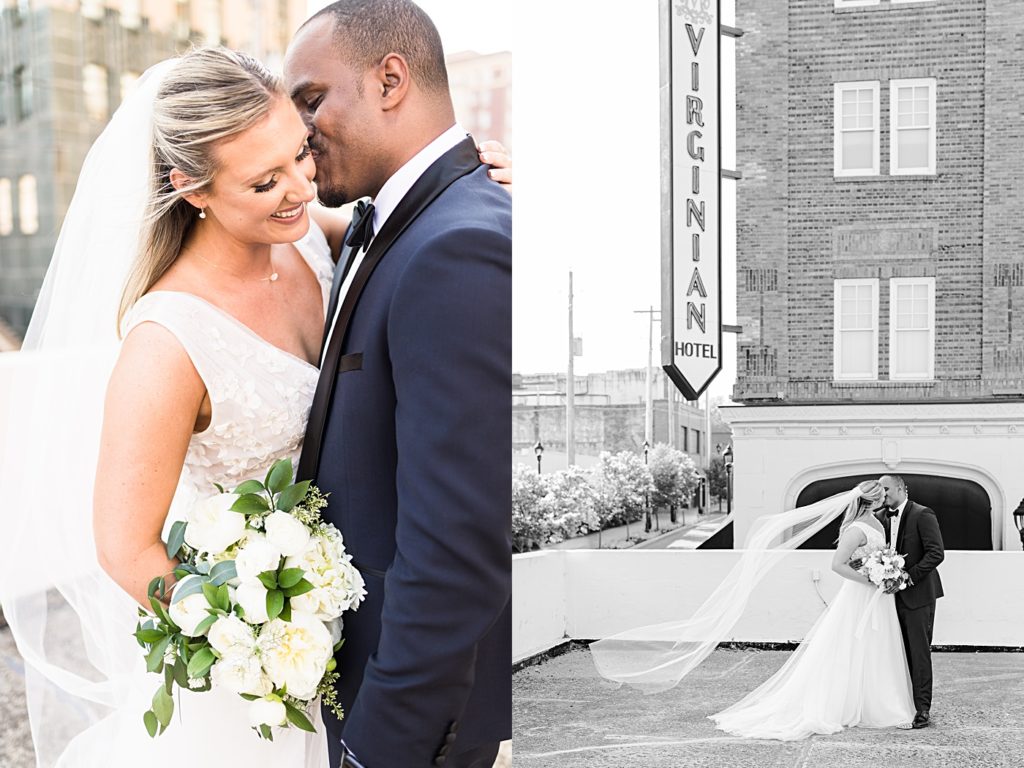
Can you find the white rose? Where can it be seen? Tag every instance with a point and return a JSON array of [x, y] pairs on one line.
[[252, 596], [267, 712], [295, 653], [338, 585], [230, 636], [256, 556], [241, 674], [189, 612], [212, 526], [286, 533]]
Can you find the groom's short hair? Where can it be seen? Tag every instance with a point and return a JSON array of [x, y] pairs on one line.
[[365, 31], [900, 482]]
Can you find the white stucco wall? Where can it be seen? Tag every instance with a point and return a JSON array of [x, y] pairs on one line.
[[603, 592], [780, 450]]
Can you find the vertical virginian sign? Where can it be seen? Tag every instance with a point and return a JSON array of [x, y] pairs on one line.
[[691, 193]]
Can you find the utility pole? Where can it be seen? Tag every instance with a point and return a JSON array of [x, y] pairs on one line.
[[570, 391], [649, 414]]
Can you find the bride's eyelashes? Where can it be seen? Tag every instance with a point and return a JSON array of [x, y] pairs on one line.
[[273, 179]]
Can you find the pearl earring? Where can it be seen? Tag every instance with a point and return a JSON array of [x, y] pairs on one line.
[[202, 213]]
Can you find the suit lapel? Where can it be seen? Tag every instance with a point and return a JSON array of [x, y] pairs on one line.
[[345, 259], [457, 162], [904, 519]]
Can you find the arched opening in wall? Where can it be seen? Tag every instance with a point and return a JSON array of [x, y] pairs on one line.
[[962, 507]]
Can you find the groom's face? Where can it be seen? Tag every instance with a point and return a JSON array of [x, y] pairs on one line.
[[337, 103], [894, 494]]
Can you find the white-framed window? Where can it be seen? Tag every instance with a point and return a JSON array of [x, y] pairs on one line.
[[911, 328], [856, 128], [912, 126], [855, 345], [28, 205], [6, 208], [854, 3], [97, 92]]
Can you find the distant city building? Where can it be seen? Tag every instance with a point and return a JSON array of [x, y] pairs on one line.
[[64, 68], [610, 409], [881, 257], [481, 87]]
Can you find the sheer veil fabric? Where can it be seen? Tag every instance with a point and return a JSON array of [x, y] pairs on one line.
[[71, 622], [656, 657]]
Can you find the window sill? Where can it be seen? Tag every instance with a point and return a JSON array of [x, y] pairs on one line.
[[884, 6], [889, 177], [880, 383]]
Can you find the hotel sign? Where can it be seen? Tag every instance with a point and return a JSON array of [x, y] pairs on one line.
[[691, 194]]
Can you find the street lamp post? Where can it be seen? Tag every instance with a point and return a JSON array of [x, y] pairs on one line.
[[647, 496], [1018, 520], [727, 460], [538, 449]]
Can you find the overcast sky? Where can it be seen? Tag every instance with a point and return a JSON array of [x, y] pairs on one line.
[[586, 127]]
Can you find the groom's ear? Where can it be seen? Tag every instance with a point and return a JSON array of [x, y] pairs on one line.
[[180, 181], [393, 80]]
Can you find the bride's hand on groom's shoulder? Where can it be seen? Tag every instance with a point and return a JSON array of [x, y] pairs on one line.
[[494, 154]]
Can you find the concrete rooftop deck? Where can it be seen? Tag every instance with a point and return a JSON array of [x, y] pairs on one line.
[[566, 716]]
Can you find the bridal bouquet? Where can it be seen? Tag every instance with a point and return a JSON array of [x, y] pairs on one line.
[[885, 569], [262, 584]]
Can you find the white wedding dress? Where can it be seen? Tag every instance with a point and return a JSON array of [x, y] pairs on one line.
[[261, 398], [835, 678]]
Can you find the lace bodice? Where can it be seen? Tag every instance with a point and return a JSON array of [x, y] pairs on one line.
[[261, 394], [876, 540]]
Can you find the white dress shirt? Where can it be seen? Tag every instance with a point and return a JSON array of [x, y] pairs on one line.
[[390, 195], [894, 522]]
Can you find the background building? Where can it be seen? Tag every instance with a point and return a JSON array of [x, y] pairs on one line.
[[880, 256], [610, 411], [481, 87], [64, 68]]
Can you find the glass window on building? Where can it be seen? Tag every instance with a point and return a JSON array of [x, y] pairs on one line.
[[22, 92], [28, 205], [912, 128], [97, 96], [856, 129], [911, 328], [6, 208], [855, 354]]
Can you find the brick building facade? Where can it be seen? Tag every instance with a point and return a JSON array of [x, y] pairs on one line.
[[879, 249]]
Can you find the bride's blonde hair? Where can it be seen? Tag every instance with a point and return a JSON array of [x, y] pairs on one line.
[[212, 94], [870, 493]]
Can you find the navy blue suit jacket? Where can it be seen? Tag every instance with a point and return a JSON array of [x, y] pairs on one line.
[[416, 457]]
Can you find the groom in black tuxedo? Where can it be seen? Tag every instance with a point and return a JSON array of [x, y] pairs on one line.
[[410, 428], [913, 531]]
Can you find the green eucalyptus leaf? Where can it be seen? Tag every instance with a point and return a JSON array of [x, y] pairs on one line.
[[181, 673], [275, 603], [210, 593], [191, 587], [176, 538], [298, 718], [163, 707], [202, 567], [250, 504], [292, 495], [301, 588], [151, 724], [250, 486], [200, 664], [249, 696], [223, 599], [149, 636], [155, 657], [265, 733], [268, 579], [286, 612], [280, 475], [289, 577], [223, 572], [169, 678], [206, 623]]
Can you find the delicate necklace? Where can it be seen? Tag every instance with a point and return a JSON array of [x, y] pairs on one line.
[[271, 279]]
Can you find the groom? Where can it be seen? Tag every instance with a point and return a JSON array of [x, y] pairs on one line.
[[410, 427], [913, 531]]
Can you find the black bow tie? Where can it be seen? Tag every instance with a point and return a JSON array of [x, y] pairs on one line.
[[891, 512], [362, 227]]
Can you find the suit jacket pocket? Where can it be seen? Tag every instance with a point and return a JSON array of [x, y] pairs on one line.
[[352, 362]]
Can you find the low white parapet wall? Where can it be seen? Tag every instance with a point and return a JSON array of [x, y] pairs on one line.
[[589, 594]]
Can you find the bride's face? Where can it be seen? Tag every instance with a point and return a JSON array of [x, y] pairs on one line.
[[264, 179]]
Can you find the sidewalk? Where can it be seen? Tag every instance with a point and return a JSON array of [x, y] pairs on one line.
[[565, 716], [615, 538]]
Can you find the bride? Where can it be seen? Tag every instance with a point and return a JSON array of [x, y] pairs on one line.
[[849, 670], [194, 206]]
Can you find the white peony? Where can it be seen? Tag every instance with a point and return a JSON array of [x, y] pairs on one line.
[[252, 596], [338, 585], [241, 674], [286, 533], [267, 712], [212, 526], [189, 612], [295, 653], [255, 556], [230, 636]]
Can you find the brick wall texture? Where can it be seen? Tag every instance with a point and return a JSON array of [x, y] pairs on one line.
[[799, 228]]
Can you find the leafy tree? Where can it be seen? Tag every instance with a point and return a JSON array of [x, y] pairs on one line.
[[674, 476], [621, 482], [530, 526], [718, 483], [570, 504]]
